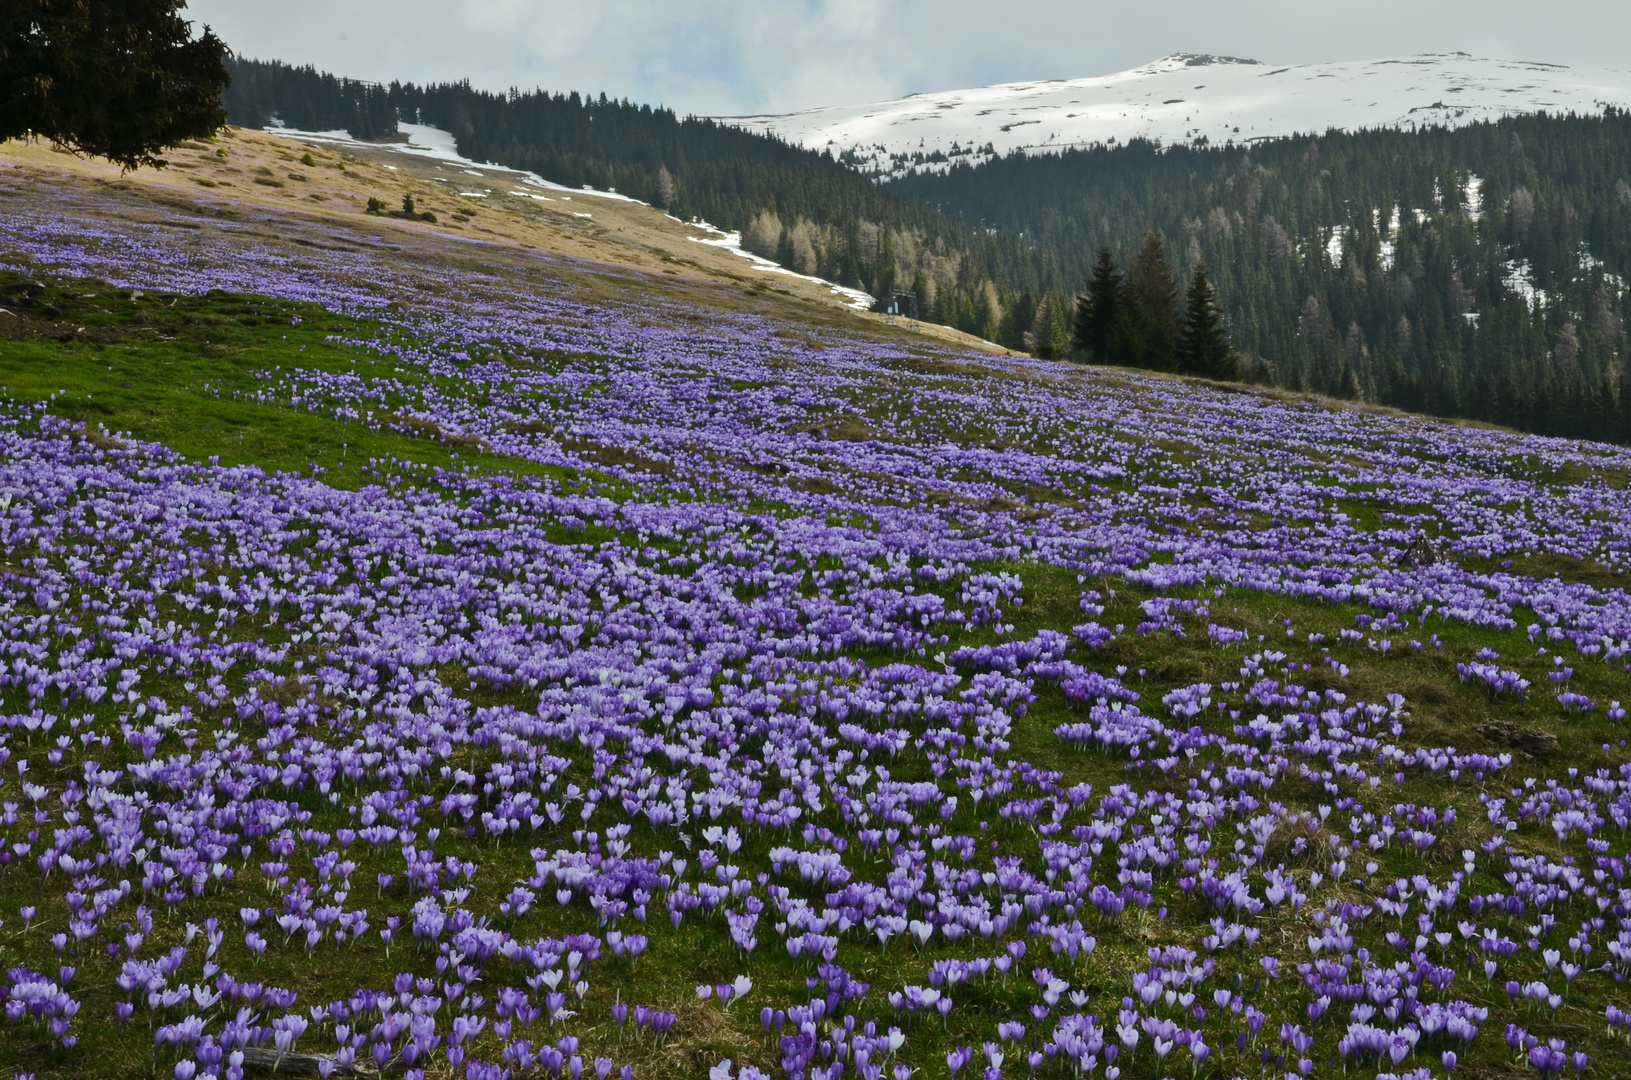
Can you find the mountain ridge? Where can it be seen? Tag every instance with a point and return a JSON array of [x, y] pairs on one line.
[[1158, 102]]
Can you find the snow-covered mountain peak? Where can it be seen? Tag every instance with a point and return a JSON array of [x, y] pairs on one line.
[[1191, 98], [1180, 60]]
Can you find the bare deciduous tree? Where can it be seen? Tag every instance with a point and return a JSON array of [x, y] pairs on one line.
[[665, 187], [1522, 209]]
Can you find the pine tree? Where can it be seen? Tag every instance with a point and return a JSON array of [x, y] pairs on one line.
[[920, 290], [1152, 302], [1018, 312], [1098, 312], [119, 79], [1203, 345], [983, 320], [1047, 336], [883, 277]]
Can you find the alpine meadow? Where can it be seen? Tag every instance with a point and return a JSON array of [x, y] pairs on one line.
[[504, 586]]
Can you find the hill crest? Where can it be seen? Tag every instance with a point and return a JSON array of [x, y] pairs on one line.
[[1189, 98]]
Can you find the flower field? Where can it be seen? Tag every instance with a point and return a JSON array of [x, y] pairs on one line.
[[448, 661]]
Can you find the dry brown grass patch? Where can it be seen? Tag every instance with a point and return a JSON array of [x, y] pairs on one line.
[[615, 456], [426, 429]]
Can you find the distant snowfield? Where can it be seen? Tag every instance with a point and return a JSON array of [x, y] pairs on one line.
[[1190, 98]]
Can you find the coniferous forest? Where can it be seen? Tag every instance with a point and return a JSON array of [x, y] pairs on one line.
[[1476, 273], [829, 220]]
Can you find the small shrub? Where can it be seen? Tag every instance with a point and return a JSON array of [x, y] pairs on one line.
[[428, 216], [307, 160], [376, 206], [407, 205]]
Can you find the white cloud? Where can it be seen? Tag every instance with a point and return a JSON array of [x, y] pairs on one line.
[[750, 56]]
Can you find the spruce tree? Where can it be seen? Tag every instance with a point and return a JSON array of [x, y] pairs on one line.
[[1152, 302], [119, 79], [1098, 312], [1018, 313], [1203, 345], [1047, 336], [883, 276], [983, 320]]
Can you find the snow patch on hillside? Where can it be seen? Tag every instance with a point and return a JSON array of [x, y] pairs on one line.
[[1475, 196], [732, 242], [1190, 99], [1519, 278], [422, 140], [1334, 245]]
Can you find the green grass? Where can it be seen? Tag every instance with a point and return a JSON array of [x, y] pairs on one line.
[[166, 372], [700, 952], [166, 368]]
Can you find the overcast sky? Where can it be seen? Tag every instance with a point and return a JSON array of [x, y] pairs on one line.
[[752, 56]]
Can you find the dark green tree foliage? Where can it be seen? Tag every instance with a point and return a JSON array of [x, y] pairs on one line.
[[308, 100], [1096, 329], [1203, 343], [119, 79], [1149, 314], [1133, 319], [1476, 273], [1017, 316], [697, 167], [1049, 335]]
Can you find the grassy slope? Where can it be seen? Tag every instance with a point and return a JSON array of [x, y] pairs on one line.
[[166, 371], [245, 173]]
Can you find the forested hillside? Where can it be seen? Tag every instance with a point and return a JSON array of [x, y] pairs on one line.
[[307, 99], [822, 217], [1476, 273], [387, 646]]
